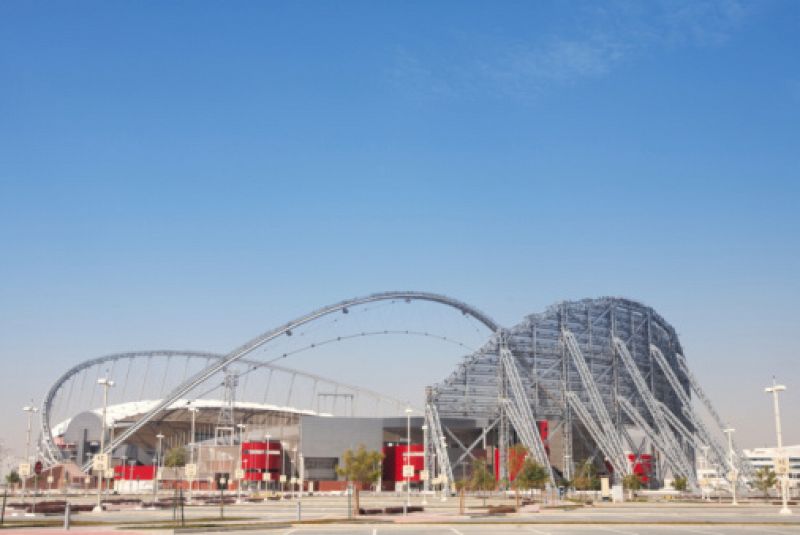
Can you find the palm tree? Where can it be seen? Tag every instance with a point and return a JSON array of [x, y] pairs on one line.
[[361, 467], [765, 480]]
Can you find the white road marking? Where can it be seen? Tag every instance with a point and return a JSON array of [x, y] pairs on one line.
[[374, 531], [704, 532], [454, 530], [612, 530], [538, 531]]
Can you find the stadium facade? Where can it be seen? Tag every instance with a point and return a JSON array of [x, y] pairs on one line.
[[600, 382]]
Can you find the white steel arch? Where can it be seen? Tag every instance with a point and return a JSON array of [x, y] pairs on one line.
[[240, 352], [51, 451]]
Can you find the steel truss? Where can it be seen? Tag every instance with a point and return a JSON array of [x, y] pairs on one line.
[[609, 438], [600, 438], [662, 433], [674, 458], [518, 409], [438, 443], [745, 468], [704, 438]]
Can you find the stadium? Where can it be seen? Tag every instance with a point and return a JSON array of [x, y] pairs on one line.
[[597, 382]]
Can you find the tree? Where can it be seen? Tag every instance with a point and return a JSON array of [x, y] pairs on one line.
[[461, 487], [631, 482], [12, 478], [765, 480], [531, 475], [586, 478], [361, 467], [680, 483], [482, 479], [175, 457]]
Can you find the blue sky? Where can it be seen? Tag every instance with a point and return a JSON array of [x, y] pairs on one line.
[[188, 174]]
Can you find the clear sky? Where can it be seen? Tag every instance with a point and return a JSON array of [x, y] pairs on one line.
[[188, 174]]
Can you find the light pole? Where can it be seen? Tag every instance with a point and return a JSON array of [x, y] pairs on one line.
[[283, 467], [160, 460], [155, 479], [193, 410], [408, 457], [446, 483], [102, 464], [31, 410], [733, 474], [775, 389], [268, 452], [130, 463], [241, 462], [293, 479], [425, 464]]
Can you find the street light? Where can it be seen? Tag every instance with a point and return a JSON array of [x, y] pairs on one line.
[[268, 452], [31, 410], [159, 461], [408, 457], [193, 410], [241, 427], [775, 389], [102, 462], [425, 464], [733, 473]]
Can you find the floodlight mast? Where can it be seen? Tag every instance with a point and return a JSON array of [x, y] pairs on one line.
[[31, 410], [776, 389], [733, 477], [102, 464]]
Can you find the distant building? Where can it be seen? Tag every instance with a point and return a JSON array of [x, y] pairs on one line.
[[765, 458]]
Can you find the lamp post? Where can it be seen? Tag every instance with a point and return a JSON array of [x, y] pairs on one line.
[[31, 410], [160, 460], [155, 479], [425, 465], [445, 483], [293, 480], [408, 457], [733, 473], [193, 410], [106, 383], [268, 452], [131, 463], [241, 462], [283, 467], [775, 389]]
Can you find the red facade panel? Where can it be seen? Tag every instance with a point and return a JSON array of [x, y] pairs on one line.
[[515, 463], [259, 458], [643, 466], [135, 473], [394, 457]]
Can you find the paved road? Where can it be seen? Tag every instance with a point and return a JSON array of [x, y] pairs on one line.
[[460, 529], [442, 519], [539, 529]]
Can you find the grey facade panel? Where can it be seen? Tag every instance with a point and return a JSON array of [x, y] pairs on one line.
[[323, 437]]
